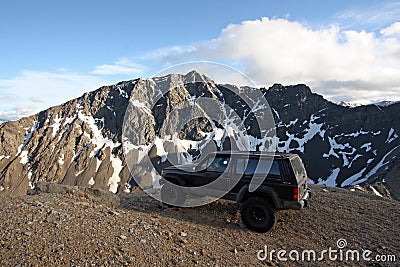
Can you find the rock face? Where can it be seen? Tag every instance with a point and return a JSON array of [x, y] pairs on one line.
[[80, 142]]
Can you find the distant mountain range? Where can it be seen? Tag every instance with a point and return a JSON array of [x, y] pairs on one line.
[[379, 103], [80, 142]]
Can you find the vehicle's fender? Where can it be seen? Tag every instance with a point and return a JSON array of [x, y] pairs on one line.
[[175, 179], [262, 190]]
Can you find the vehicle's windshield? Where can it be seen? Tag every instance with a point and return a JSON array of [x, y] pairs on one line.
[[217, 164]]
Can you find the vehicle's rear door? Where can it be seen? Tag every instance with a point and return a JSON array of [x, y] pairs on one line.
[[300, 174]]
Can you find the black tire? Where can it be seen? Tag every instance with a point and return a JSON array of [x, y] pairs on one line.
[[172, 195], [258, 214]]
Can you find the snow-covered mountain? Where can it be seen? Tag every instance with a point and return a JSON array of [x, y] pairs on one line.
[[386, 103], [348, 104], [80, 142]]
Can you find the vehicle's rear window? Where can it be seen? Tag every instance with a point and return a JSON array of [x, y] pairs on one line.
[[298, 167]]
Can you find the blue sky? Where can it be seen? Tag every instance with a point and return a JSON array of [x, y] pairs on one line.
[[52, 51]]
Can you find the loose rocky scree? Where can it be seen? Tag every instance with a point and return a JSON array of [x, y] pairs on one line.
[[74, 229]]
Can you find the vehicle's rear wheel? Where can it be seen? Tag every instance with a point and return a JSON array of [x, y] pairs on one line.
[[258, 214], [172, 195]]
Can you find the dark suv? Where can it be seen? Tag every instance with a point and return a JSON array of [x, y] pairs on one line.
[[263, 182]]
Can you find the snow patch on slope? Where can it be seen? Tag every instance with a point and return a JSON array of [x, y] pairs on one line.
[[61, 159], [115, 178], [331, 180], [70, 120], [391, 136], [353, 179], [56, 126], [378, 166], [31, 186], [24, 157], [98, 139], [367, 146], [79, 173], [313, 130], [122, 92], [356, 134], [28, 136], [102, 142], [375, 191], [4, 157], [98, 163], [354, 159]]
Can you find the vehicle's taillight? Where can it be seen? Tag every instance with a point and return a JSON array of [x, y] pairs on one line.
[[296, 195]]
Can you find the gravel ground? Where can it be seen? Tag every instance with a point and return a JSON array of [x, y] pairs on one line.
[[63, 230]]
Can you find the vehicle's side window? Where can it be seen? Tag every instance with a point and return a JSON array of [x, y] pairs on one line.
[[260, 167], [251, 167], [240, 165], [219, 164], [204, 164], [274, 172]]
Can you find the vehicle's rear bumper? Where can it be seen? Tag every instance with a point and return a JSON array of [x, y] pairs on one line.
[[297, 205]]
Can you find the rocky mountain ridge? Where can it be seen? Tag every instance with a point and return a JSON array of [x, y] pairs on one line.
[[80, 142]]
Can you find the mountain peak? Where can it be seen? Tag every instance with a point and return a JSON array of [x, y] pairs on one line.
[[192, 76], [195, 76], [348, 104], [299, 87]]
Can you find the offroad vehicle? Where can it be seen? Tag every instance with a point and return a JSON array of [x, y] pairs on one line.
[[281, 183]]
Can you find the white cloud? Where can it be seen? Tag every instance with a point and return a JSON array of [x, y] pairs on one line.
[[170, 52], [355, 66], [48, 83], [36, 100], [393, 30], [45, 89], [5, 97], [123, 66], [17, 112]]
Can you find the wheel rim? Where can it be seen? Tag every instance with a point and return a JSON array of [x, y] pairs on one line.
[[258, 214]]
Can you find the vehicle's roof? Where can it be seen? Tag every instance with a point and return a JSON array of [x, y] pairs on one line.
[[257, 153]]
